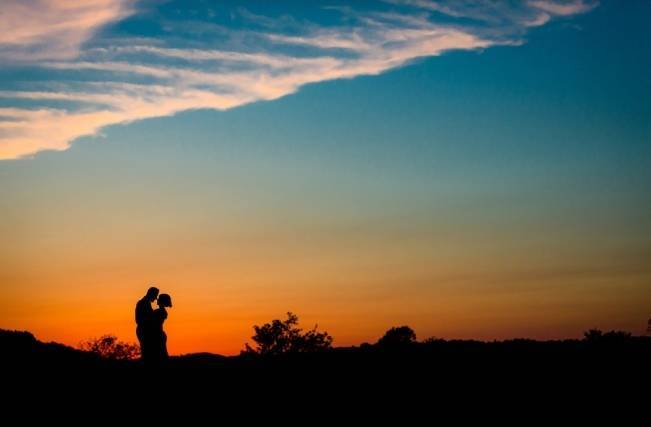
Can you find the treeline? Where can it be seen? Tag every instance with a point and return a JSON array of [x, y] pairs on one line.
[[285, 337]]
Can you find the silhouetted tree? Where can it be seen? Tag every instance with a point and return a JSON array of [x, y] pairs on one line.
[[109, 347], [284, 336], [398, 336]]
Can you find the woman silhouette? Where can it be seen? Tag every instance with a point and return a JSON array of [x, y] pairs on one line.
[[159, 337]]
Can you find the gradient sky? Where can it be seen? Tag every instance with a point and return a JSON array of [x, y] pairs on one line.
[[471, 169]]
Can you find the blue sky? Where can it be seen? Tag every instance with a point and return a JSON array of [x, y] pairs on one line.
[[74, 68], [442, 148]]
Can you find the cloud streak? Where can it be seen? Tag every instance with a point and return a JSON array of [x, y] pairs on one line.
[[48, 29], [102, 80]]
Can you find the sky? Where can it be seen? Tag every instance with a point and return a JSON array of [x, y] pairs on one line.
[[472, 169]]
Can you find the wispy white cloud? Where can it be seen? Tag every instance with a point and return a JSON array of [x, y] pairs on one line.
[[526, 13], [123, 82], [563, 8], [48, 29]]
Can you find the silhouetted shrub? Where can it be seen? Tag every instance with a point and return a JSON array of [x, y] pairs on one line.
[[16, 338], [397, 337], [597, 336], [284, 336], [592, 335], [433, 340], [109, 347]]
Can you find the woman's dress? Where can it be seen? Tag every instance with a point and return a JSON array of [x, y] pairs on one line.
[[159, 344]]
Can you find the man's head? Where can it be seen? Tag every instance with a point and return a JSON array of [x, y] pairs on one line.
[[152, 294]]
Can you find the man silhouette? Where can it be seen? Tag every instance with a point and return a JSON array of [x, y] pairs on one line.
[[144, 314]]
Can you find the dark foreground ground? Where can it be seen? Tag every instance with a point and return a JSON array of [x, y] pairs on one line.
[[589, 375]]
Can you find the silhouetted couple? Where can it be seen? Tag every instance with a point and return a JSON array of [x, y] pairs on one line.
[[149, 329]]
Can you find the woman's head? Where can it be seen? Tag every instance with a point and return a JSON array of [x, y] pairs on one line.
[[164, 300]]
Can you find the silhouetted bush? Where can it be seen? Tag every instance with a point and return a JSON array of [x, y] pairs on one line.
[[433, 340], [284, 336], [592, 335], [597, 336], [397, 337], [16, 338], [109, 347]]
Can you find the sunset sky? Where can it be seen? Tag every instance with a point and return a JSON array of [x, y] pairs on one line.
[[472, 169]]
